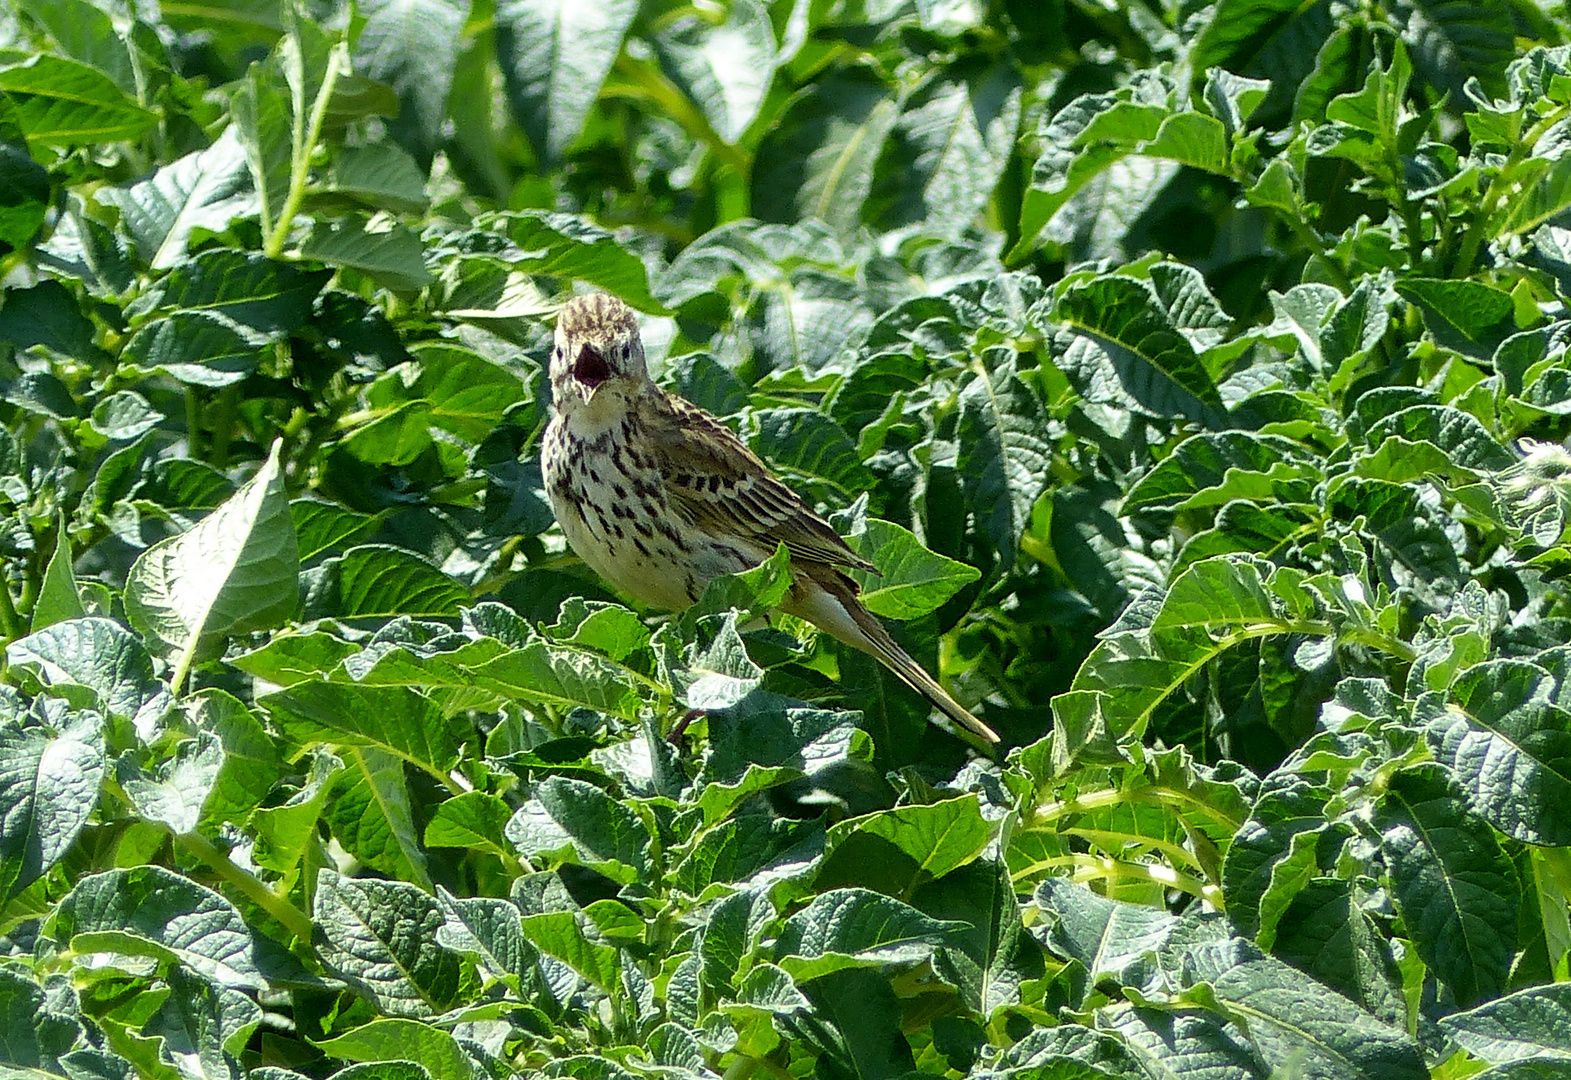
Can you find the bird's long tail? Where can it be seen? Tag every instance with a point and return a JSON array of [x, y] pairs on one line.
[[834, 607]]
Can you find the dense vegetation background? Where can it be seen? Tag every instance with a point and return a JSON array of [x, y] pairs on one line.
[[1194, 373]]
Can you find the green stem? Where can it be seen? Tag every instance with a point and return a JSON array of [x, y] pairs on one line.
[[193, 422], [223, 425], [300, 168], [290, 917], [741, 1068], [10, 621], [1499, 185]]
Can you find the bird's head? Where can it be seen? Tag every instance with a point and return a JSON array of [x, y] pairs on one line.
[[598, 354]]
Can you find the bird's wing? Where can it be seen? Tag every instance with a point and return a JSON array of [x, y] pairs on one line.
[[722, 486]]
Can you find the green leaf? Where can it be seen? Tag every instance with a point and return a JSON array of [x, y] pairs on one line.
[[205, 190], [1291, 1018], [466, 393], [378, 580], [150, 911], [847, 928], [48, 789], [61, 102], [725, 67], [413, 46], [555, 55], [917, 843], [395, 1039], [912, 581], [608, 834], [472, 820], [1531, 1024], [558, 934], [1004, 450], [1212, 469], [380, 937], [1509, 745], [948, 148], [58, 599], [380, 246], [235, 571], [391, 718], [817, 160], [101, 655], [36, 1035], [373, 817], [1119, 347], [1467, 316], [565, 245], [1457, 890]]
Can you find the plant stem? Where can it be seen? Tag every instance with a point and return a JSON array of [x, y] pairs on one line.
[[193, 423], [300, 167], [290, 917], [223, 425], [10, 621]]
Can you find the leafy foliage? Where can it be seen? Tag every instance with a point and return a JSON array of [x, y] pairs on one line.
[[1195, 374]]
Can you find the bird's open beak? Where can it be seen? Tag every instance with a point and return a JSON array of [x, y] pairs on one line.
[[590, 369]]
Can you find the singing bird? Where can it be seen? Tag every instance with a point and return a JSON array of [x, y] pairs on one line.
[[659, 497]]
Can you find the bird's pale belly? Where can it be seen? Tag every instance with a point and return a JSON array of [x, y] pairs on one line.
[[616, 517]]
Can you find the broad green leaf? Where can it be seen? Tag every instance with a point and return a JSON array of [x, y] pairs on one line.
[[1467, 316], [554, 56], [1119, 347], [235, 571], [380, 246], [1294, 1022], [373, 817], [396, 719], [817, 160], [559, 934], [203, 190], [466, 393], [1212, 469], [1534, 1023], [203, 348], [102, 656], [1004, 450], [1509, 745], [413, 46], [62, 102], [284, 833], [36, 1036], [565, 245], [380, 937], [269, 296], [150, 911], [1457, 890], [380, 580], [912, 581], [174, 792], [472, 820], [608, 833], [1108, 937], [204, 1027], [806, 443], [396, 1039], [948, 148], [847, 928], [925, 842], [48, 789], [724, 67]]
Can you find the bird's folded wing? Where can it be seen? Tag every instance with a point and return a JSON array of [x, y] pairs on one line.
[[725, 489]]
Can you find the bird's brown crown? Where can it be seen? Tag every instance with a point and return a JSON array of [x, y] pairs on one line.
[[597, 317]]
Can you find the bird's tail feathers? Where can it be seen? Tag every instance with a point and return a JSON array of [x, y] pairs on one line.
[[853, 624]]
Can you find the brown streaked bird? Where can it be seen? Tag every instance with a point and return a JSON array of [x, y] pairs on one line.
[[659, 497]]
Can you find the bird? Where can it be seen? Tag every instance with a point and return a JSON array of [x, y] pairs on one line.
[[659, 497]]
